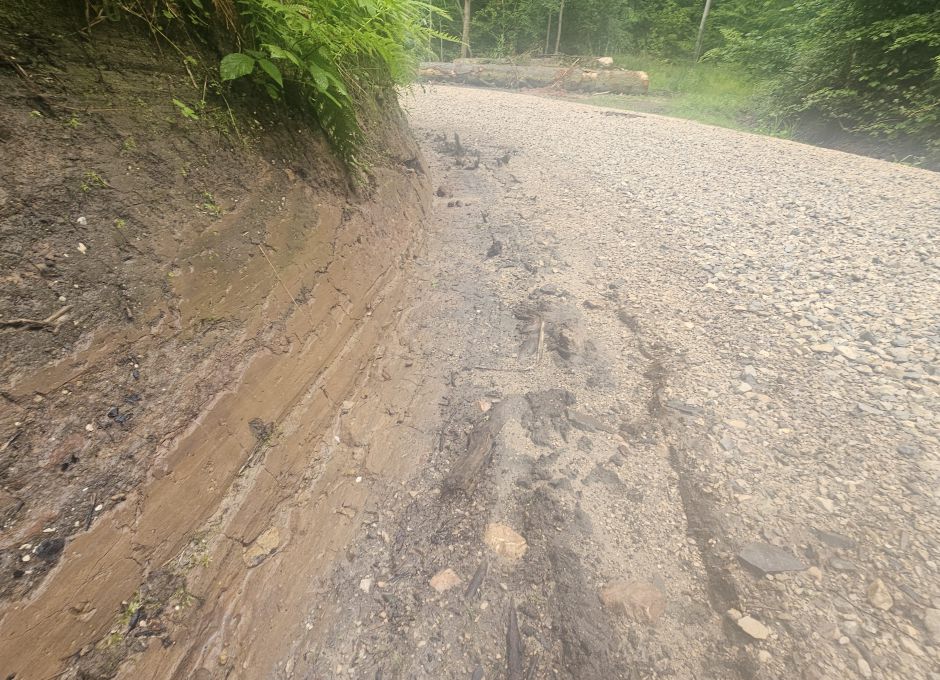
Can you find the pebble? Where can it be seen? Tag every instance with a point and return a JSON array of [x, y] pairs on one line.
[[504, 541], [444, 580], [753, 627], [932, 623], [879, 596], [863, 668], [769, 559]]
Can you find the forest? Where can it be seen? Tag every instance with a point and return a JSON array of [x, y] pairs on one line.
[[868, 69]]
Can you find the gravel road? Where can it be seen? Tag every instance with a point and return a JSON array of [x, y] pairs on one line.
[[697, 372]]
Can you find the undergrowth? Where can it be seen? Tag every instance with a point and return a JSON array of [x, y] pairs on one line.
[[329, 58], [717, 94]]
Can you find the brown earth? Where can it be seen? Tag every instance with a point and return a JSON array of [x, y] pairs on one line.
[[629, 397], [217, 295]]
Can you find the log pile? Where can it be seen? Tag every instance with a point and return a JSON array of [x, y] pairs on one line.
[[573, 78]]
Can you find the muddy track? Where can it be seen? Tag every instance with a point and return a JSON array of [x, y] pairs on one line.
[[587, 363]]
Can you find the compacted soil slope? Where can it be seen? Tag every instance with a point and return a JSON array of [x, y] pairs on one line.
[[184, 290]]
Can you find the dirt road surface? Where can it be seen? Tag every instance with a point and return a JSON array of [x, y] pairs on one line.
[[697, 372], [648, 399]]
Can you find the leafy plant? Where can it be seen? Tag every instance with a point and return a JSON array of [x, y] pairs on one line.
[[334, 54], [185, 110]]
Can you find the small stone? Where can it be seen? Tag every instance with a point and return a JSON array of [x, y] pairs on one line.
[[879, 596], [835, 540], [444, 580], [484, 405], [849, 353], [365, 585], [815, 573], [639, 600], [863, 668], [932, 623], [734, 614], [753, 627], [764, 656], [826, 504], [910, 646], [744, 388], [504, 541], [82, 248], [824, 348], [769, 559], [262, 547]]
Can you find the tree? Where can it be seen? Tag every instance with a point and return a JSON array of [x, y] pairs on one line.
[[701, 32], [465, 35]]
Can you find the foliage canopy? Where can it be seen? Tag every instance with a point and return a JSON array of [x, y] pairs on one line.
[[866, 66]]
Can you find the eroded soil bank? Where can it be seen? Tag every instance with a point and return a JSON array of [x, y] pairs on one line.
[[189, 301]]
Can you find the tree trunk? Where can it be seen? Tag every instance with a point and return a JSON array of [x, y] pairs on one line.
[[484, 73], [465, 42], [561, 14], [701, 32], [548, 34]]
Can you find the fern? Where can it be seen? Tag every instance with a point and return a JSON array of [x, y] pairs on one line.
[[335, 54]]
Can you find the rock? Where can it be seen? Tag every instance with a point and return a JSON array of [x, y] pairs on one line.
[[769, 559], [734, 614], [639, 600], [849, 353], [49, 548], [838, 564], [587, 423], [826, 504], [900, 355], [444, 580], [863, 668], [262, 547], [605, 62], [504, 541], [834, 540], [753, 627], [764, 656], [824, 348], [365, 585], [879, 596], [911, 647], [932, 624], [744, 388]]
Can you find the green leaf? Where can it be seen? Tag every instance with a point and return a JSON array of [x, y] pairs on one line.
[[236, 65], [273, 71], [320, 77]]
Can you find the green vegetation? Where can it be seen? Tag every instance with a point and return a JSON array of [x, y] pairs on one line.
[[869, 69], [328, 58], [725, 95]]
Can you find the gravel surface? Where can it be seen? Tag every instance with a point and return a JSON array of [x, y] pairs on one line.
[[791, 297], [690, 423]]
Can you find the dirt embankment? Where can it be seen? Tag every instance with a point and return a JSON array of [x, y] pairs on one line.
[[188, 295]]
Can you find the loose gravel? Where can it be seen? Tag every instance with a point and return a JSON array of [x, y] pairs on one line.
[[790, 296]]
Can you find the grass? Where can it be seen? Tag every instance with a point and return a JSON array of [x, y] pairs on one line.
[[717, 94]]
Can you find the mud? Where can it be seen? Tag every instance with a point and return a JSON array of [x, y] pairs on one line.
[[229, 293]]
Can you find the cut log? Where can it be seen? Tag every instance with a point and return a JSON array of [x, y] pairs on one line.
[[569, 78]]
